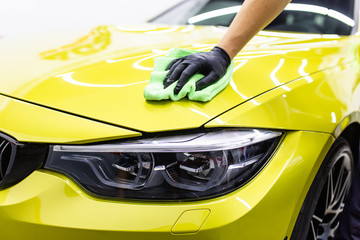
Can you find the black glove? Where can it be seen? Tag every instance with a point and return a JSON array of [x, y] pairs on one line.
[[212, 65]]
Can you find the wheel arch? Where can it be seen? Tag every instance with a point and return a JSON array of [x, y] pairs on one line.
[[352, 134]]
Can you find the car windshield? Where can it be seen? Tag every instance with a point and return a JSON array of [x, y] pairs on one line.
[[307, 16]]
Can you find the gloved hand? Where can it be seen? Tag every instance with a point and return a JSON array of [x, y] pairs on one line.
[[212, 65]]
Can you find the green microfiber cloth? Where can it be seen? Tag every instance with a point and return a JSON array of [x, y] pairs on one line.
[[155, 89]]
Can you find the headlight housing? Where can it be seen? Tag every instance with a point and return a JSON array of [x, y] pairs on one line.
[[191, 166]]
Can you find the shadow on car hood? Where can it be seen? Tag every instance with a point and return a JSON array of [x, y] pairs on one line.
[[103, 74]]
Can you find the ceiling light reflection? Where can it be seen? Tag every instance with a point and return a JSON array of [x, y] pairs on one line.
[[203, 46], [341, 17], [257, 54], [321, 10], [290, 7], [290, 35], [232, 83], [137, 64], [188, 28], [312, 44], [273, 73], [302, 72], [215, 13], [306, 8], [201, 113], [243, 202], [219, 121], [333, 117], [241, 63], [172, 29], [234, 87], [274, 78]]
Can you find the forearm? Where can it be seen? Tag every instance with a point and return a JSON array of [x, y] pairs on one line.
[[253, 16]]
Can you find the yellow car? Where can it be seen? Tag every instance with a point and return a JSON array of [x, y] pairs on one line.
[[83, 155]]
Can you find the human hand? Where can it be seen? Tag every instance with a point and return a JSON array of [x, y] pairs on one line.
[[212, 65]]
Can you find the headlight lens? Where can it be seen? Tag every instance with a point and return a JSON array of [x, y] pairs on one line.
[[191, 166]]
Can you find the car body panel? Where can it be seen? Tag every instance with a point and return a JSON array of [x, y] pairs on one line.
[[102, 76], [54, 207], [55, 90], [31, 123], [317, 102]]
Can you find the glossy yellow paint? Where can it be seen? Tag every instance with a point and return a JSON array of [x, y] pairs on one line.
[[30, 123], [190, 221], [103, 74], [53, 207], [47, 205], [305, 83], [317, 102]]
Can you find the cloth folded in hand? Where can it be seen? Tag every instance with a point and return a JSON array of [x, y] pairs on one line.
[[155, 89]]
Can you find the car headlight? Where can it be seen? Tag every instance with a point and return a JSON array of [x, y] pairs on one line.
[[192, 166]]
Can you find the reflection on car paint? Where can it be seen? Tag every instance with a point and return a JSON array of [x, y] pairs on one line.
[[152, 29], [274, 78], [114, 66], [172, 29], [302, 71], [243, 202], [290, 7], [137, 64], [96, 41], [188, 28]]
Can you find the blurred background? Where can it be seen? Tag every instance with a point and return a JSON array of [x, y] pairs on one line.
[[24, 16]]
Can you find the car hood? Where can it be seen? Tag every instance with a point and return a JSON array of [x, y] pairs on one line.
[[102, 75]]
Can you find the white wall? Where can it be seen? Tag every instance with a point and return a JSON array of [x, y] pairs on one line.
[[22, 16]]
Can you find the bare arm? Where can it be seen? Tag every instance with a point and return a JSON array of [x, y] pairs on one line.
[[253, 16]]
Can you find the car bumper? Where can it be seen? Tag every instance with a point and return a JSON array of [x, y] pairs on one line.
[[48, 205]]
